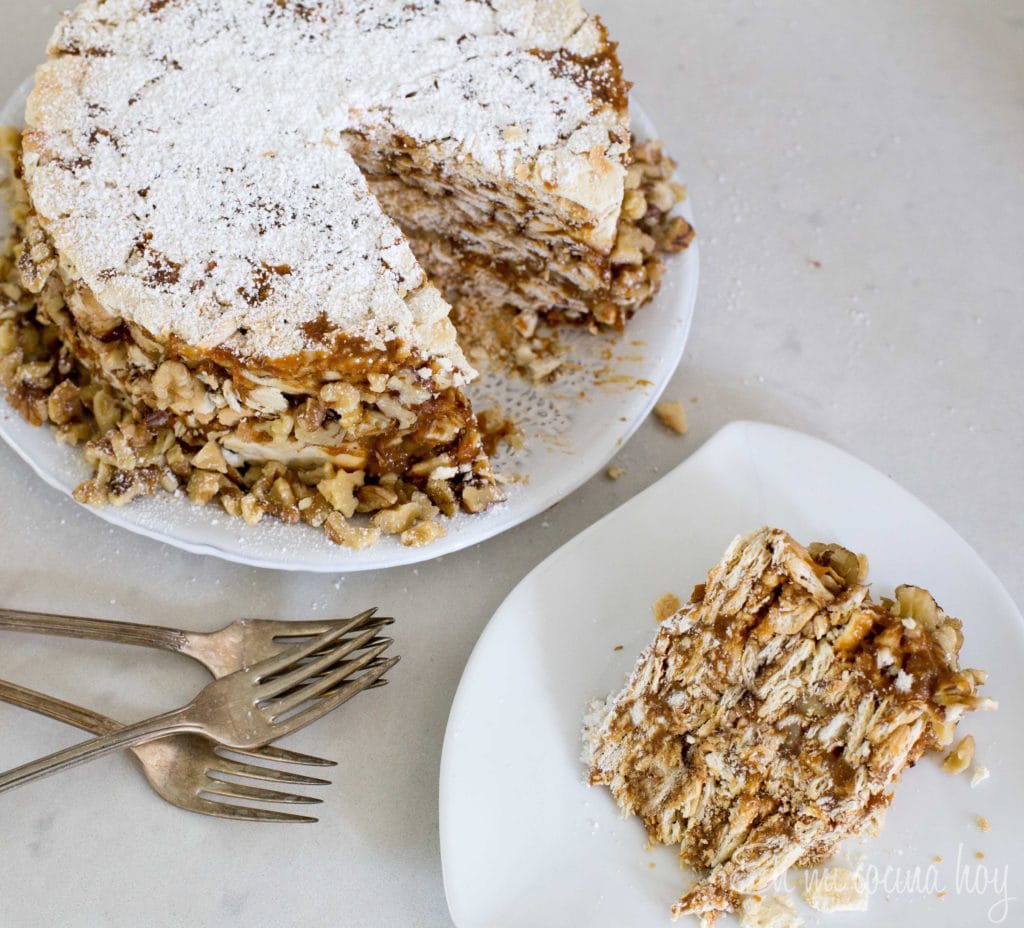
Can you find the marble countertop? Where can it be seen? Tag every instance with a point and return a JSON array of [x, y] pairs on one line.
[[856, 172]]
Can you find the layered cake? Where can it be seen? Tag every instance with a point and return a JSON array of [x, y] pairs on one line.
[[240, 226], [775, 712]]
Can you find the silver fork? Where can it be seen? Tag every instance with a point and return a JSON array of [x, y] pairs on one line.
[[240, 644], [189, 771], [249, 708]]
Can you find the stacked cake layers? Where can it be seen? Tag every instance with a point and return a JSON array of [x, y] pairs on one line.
[[773, 714], [224, 212]]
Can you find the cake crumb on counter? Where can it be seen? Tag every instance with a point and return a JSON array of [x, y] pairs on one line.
[[672, 414]]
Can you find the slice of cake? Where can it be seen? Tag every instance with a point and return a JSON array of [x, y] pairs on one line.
[[234, 218], [774, 713]]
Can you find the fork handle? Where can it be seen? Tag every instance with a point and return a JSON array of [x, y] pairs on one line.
[[54, 708], [149, 636], [168, 724]]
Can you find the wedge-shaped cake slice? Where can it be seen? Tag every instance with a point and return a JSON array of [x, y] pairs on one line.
[[774, 713]]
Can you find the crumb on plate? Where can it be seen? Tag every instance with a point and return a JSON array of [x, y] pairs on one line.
[[761, 912], [836, 889]]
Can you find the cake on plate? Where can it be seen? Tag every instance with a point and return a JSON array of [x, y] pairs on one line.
[[774, 713], [240, 226]]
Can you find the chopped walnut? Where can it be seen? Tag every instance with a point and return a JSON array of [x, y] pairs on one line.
[[340, 491], [378, 383], [672, 414], [315, 510], [477, 499], [64, 404], [632, 246], [374, 497], [282, 494], [90, 493], [443, 496], [422, 534], [202, 487], [267, 400], [343, 533], [175, 388], [106, 410], [615, 473], [177, 461], [251, 509], [393, 409], [960, 758], [312, 415], [634, 204], [341, 397], [402, 517], [210, 457]]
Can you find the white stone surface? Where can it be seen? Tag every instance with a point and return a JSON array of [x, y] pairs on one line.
[[880, 140]]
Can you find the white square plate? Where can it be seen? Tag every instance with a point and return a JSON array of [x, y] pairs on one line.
[[526, 844]]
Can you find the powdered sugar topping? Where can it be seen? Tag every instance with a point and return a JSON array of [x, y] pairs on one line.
[[189, 159]]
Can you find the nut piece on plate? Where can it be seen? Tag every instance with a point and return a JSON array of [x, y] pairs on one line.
[[960, 758], [769, 912], [774, 713]]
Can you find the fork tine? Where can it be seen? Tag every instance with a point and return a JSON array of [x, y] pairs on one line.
[[322, 684], [312, 668], [332, 700], [245, 813], [300, 629], [377, 684], [256, 772], [293, 654], [271, 752], [355, 642], [229, 790]]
